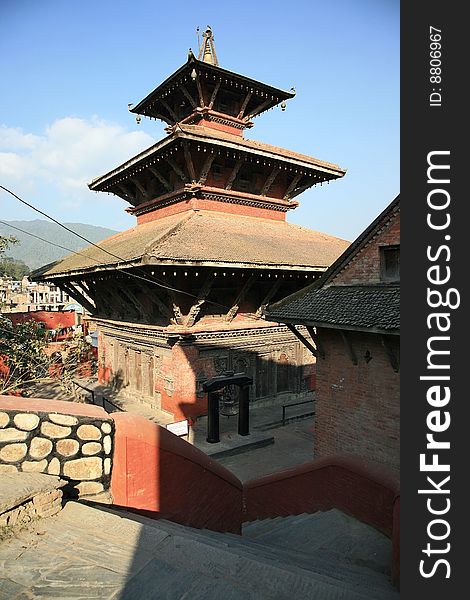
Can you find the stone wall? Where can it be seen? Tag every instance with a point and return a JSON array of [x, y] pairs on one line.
[[45, 504], [59, 438]]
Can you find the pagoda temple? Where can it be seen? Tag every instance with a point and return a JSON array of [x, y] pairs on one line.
[[179, 298]]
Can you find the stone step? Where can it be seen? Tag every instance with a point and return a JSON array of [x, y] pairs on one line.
[[25, 497], [325, 569], [254, 529], [330, 532], [86, 552]]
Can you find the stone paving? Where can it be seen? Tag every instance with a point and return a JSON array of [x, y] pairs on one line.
[[88, 553]]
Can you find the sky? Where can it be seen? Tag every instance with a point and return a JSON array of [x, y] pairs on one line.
[[69, 70]]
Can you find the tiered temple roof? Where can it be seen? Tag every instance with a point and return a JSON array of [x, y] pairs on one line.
[[204, 195]]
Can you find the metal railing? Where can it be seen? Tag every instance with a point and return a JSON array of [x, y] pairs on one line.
[[99, 399], [284, 406]]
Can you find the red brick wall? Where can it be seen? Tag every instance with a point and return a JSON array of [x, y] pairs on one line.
[[364, 268], [222, 207], [357, 406]]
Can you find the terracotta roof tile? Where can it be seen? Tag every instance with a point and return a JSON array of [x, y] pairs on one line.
[[204, 237]]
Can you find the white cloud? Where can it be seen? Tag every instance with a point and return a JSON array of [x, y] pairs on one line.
[[68, 155]]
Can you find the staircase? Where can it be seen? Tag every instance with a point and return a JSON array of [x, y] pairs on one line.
[[100, 552]]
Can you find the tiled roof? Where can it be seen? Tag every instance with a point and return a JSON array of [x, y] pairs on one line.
[[244, 144], [369, 307], [211, 238], [226, 140]]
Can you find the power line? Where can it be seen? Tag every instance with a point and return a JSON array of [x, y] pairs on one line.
[[126, 272], [49, 242]]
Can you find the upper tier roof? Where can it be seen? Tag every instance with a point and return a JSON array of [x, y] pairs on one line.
[[203, 238], [198, 85], [225, 141]]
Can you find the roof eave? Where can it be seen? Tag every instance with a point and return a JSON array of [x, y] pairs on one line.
[[322, 324], [192, 60]]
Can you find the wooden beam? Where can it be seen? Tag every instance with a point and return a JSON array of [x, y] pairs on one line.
[[292, 185], [206, 167], [79, 297], [177, 169], [274, 288], [188, 96], [189, 161], [171, 112], [349, 346], [158, 115], [200, 92], [269, 181], [214, 93], [233, 174], [314, 336], [140, 187], [151, 294], [239, 299], [111, 298], [301, 189], [300, 337], [201, 298], [393, 357], [260, 108], [244, 105], [128, 196], [160, 178], [124, 289]]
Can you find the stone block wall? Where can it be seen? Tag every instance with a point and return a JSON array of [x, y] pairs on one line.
[[45, 504], [59, 438]]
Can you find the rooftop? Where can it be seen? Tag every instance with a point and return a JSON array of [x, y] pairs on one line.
[[225, 141], [207, 238], [350, 307]]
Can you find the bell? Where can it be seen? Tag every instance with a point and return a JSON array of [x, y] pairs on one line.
[[228, 402]]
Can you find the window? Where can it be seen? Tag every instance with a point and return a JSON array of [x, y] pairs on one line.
[[390, 263]]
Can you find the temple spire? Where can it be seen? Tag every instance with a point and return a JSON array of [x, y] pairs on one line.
[[207, 49]]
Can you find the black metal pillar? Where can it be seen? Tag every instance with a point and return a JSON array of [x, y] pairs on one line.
[[244, 410], [213, 418]]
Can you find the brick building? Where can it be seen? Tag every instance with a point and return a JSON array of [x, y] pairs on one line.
[[353, 317], [179, 298]]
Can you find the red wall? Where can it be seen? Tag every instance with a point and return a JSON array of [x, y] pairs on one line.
[[55, 319], [357, 408], [213, 205], [364, 490], [156, 472], [364, 268]]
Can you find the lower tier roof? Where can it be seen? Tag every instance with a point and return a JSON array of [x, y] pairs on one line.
[[204, 238]]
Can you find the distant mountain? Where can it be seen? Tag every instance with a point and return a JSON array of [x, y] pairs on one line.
[[36, 253]]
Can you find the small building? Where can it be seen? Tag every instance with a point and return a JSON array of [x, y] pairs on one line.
[[352, 314]]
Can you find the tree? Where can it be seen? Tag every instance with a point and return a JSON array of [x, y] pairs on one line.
[[26, 358], [11, 267], [22, 353], [6, 242]]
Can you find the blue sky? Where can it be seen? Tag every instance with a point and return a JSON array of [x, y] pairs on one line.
[[69, 69]]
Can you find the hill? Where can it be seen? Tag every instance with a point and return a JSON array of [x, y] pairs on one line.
[[36, 253]]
